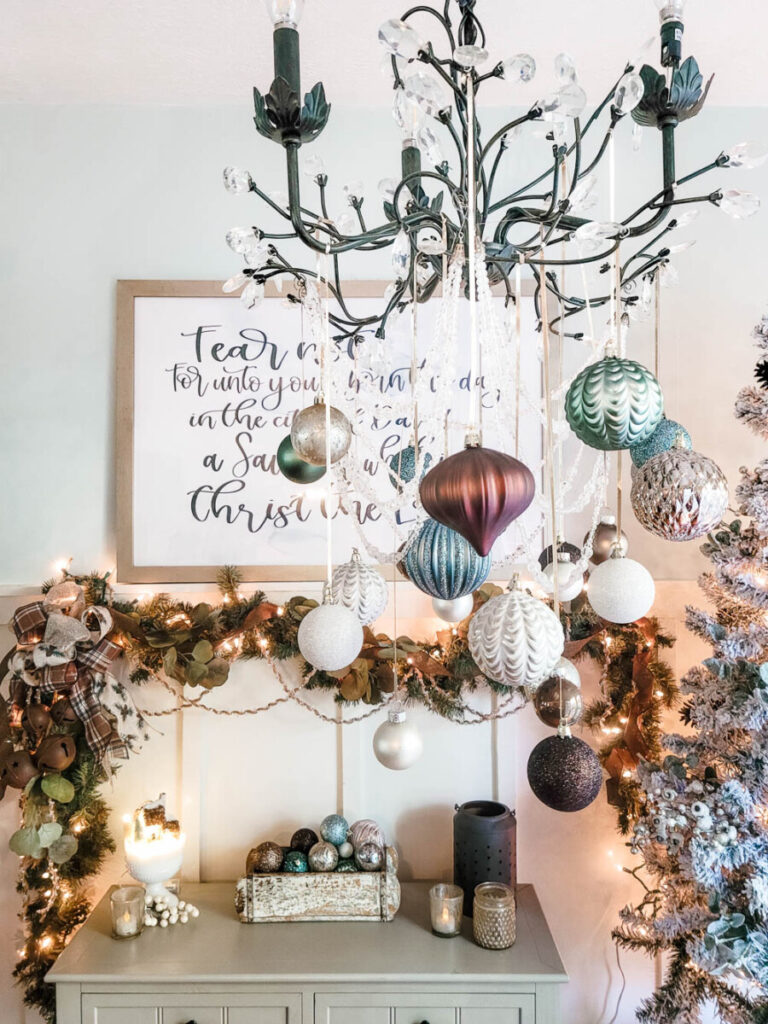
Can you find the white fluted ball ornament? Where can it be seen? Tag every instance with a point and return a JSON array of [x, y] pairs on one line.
[[453, 611], [359, 588], [330, 636], [397, 742], [515, 639], [621, 589]]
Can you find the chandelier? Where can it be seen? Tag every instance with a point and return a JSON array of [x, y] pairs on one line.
[[448, 191]]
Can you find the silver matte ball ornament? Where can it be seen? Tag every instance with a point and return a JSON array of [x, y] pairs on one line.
[[515, 639], [621, 590], [366, 831], [308, 434], [453, 611], [330, 637], [604, 539], [369, 857], [359, 588], [323, 857], [397, 743], [614, 403], [679, 494]]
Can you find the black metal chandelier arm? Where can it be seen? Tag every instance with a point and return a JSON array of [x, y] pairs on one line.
[[448, 122], [444, 20], [600, 153], [423, 213], [650, 204], [531, 115], [285, 214], [492, 177]]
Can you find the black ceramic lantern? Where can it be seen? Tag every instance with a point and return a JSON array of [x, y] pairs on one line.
[[484, 846]]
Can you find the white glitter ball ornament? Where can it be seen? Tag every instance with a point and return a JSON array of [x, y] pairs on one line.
[[359, 588], [621, 590], [453, 611], [515, 639], [330, 637]]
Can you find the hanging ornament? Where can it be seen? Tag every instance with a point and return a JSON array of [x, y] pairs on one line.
[[661, 440], [297, 470], [558, 701], [478, 492], [403, 466], [443, 564], [621, 590], [308, 434], [453, 611], [564, 773], [604, 540], [613, 404], [570, 581], [397, 743], [330, 637], [359, 588], [563, 547], [515, 639], [679, 494]]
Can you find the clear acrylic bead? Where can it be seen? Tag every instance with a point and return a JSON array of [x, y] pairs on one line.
[[387, 188], [353, 190], [470, 56], [314, 166], [637, 136], [429, 144], [565, 68], [583, 196], [258, 256], [738, 204], [430, 241], [688, 216], [569, 101], [428, 93], [668, 275], [252, 295], [236, 180], [747, 155], [401, 255], [400, 38], [407, 114], [242, 240], [424, 273], [235, 283], [628, 93], [520, 68], [279, 199], [596, 234], [346, 223], [682, 246]]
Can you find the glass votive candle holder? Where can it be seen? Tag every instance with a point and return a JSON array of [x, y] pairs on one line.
[[493, 915], [446, 909], [173, 885], [127, 903]]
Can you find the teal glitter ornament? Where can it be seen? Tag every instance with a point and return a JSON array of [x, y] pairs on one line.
[[614, 404], [346, 864], [403, 466], [661, 440], [293, 468], [444, 564], [334, 829], [295, 862]]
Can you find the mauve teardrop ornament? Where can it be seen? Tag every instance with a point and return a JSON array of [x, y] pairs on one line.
[[478, 492]]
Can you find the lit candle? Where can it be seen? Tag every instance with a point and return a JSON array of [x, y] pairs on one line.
[[127, 905], [154, 848], [446, 906]]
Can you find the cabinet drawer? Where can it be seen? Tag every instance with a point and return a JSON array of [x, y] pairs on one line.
[[168, 1008], [434, 1008]]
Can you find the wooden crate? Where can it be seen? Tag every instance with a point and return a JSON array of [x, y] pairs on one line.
[[321, 896]]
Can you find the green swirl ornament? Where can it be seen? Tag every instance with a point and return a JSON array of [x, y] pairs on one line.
[[613, 404]]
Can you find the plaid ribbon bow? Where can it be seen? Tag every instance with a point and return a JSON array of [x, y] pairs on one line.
[[61, 652]]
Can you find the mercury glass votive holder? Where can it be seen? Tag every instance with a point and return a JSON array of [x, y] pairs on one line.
[[446, 909], [493, 916], [127, 905]]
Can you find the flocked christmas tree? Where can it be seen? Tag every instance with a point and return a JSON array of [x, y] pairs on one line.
[[703, 834]]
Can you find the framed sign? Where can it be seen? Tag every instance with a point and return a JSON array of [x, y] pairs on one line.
[[206, 391]]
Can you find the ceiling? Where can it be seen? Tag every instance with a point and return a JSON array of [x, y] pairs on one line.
[[195, 52]]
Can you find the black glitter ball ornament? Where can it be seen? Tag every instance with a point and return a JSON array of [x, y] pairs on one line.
[[564, 773], [304, 839], [761, 372]]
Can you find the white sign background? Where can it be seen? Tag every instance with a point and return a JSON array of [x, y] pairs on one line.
[[216, 388]]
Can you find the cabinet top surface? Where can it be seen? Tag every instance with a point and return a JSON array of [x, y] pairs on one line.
[[217, 947]]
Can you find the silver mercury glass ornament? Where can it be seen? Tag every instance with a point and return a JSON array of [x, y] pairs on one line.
[[308, 434], [323, 857], [369, 857]]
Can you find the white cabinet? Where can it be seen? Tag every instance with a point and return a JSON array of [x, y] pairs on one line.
[[216, 970]]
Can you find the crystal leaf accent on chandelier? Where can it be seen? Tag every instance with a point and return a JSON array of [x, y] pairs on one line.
[[628, 93], [738, 204], [429, 94], [595, 233], [407, 114], [429, 144], [235, 283], [582, 197], [470, 56], [687, 216], [565, 68], [520, 68], [236, 180], [569, 101], [747, 155], [399, 38], [252, 294]]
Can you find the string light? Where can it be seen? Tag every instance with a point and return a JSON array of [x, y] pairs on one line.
[[46, 942]]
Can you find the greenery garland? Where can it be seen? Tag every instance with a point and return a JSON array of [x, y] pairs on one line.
[[63, 838]]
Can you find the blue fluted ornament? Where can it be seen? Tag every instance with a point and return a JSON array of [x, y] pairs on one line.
[[403, 466], [661, 440], [444, 564], [613, 404]]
